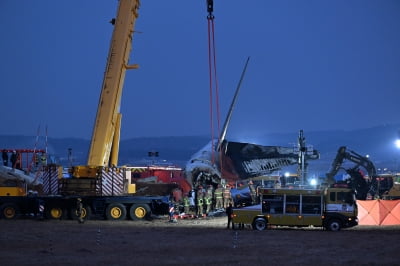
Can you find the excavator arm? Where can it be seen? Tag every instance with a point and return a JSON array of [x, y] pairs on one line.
[[352, 156], [361, 185]]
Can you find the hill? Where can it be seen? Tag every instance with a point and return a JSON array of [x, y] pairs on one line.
[[377, 142]]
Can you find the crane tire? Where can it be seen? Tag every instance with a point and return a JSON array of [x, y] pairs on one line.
[[116, 211], [54, 213], [9, 211], [139, 211]]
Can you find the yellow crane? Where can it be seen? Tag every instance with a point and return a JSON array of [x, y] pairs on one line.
[[104, 145]]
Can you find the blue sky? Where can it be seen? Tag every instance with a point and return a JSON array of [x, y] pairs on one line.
[[315, 65]]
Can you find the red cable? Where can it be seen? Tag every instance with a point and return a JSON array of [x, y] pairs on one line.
[[216, 80], [216, 97], [211, 91]]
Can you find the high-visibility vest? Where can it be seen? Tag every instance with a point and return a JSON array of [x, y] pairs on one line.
[[218, 193], [43, 159], [186, 201], [227, 193], [208, 200], [200, 201]]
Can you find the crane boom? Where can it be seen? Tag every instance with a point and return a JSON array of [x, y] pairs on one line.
[[104, 145]]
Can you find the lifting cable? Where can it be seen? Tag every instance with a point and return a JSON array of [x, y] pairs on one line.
[[212, 64]]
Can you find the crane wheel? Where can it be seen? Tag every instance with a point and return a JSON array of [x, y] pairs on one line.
[[260, 224], [9, 211], [116, 211], [54, 213], [139, 211]]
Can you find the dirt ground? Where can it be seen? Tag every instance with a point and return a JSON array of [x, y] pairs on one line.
[[190, 242]]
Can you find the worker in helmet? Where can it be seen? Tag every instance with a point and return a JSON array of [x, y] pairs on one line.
[[218, 198], [227, 196], [208, 199], [253, 193], [200, 201], [186, 204]]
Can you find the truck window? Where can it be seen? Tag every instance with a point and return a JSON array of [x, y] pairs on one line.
[[272, 204], [292, 204], [311, 205], [332, 196], [345, 197]]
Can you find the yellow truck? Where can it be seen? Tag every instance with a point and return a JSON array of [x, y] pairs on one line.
[[329, 208]]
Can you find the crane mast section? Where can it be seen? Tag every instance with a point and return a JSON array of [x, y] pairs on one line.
[[107, 123]]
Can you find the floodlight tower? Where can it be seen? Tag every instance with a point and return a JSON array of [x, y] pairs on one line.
[[302, 165]]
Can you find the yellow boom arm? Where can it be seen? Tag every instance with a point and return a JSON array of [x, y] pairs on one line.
[[104, 145]]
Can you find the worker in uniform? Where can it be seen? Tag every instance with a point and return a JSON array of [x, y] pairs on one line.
[[5, 158], [186, 204], [171, 212], [200, 201], [218, 198], [192, 200], [15, 160], [229, 212], [253, 193], [227, 196], [208, 199], [79, 210]]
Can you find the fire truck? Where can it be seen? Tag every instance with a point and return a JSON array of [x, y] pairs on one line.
[[329, 208]]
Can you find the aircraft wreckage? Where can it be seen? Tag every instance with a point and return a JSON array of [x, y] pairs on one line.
[[222, 161]]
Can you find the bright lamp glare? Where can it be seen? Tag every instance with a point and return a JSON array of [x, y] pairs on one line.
[[313, 182], [397, 143]]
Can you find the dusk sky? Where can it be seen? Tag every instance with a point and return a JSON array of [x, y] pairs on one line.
[[315, 65]]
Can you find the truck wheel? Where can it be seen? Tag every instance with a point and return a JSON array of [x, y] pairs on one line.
[[139, 211], [86, 213], [9, 211], [333, 225], [260, 224], [116, 211], [54, 213]]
